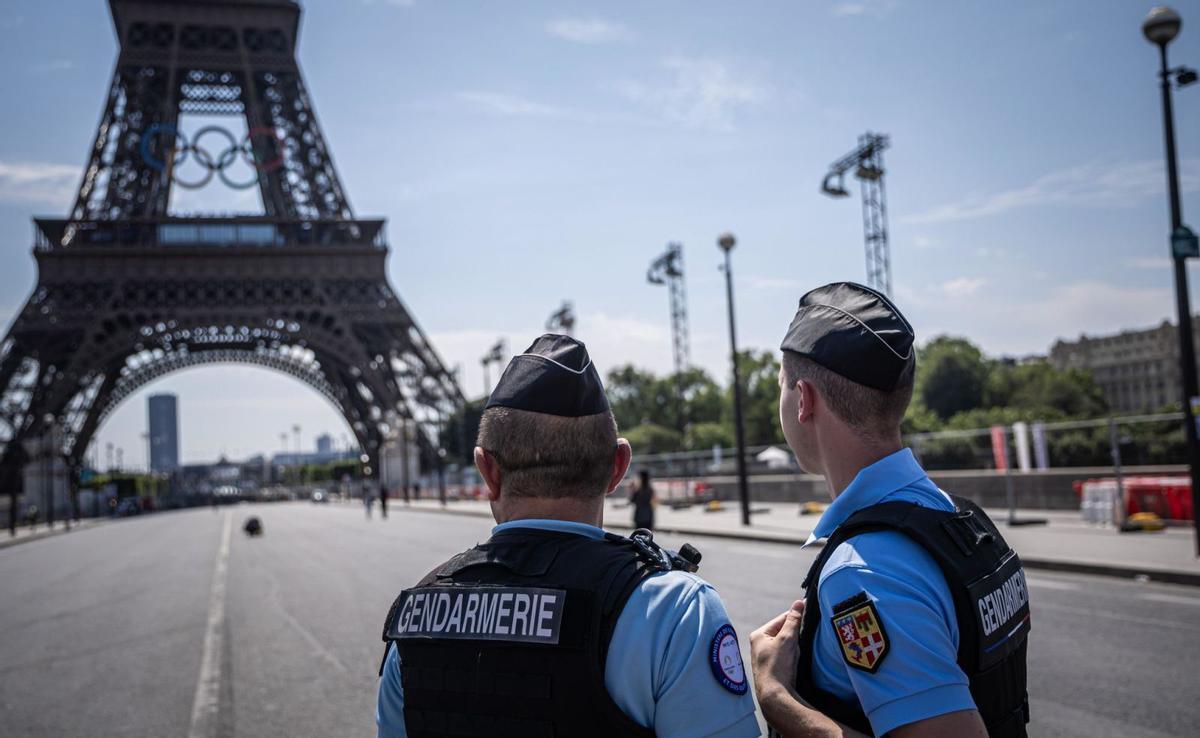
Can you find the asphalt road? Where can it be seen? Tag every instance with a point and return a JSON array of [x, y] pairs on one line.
[[104, 630]]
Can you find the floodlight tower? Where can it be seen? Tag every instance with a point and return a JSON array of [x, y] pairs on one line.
[[867, 162], [495, 355], [563, 319], [668, 269]]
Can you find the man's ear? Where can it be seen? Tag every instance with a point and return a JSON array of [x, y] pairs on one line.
[[489, 469], [807, 395], [622, 456]]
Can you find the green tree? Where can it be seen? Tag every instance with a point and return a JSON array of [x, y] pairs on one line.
[[674, 401], [1039, 386], [649, 438], [951, 375], [702, 396], [703, 436], [760, 398], [637, 397]]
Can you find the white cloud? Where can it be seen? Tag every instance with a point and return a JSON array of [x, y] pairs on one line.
[[38, 182], [923, 242], [1149, 262], [499, 103], [623, 339], [1004, 324], [877, 8], [774, 283], [51, 65], [849, 8], [588, 31], [611, 340], [963, 286], [696, 91], [1094, 307], [1089, 185]]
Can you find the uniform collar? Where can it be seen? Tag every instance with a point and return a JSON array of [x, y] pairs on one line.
[[870, 485], [558, 526]]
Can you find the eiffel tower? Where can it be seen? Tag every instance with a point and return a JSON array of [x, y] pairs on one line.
[[127, 293]]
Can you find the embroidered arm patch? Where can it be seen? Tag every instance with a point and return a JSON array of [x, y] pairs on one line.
[[860, 633], [726, 660]]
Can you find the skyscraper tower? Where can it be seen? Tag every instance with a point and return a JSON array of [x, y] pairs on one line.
[[163, 412]]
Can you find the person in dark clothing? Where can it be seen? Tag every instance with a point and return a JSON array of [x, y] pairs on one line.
[[643, 500]]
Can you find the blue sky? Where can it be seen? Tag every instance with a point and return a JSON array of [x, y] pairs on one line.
[[526, 153]]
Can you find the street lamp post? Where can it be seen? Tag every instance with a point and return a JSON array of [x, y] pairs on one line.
[[1160, 28], [726, 242]]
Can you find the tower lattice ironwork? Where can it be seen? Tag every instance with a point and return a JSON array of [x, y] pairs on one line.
[[668, 269], [867, 162], [127, 292]]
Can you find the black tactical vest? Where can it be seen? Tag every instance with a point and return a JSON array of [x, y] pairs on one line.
[[510, 638], [987, 584]]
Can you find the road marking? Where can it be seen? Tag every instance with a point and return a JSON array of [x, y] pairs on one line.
[[1051, 583], [1174, 599], [208, 685]]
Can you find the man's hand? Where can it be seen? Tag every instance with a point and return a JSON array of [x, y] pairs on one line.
[[775, 652], [774, 655]]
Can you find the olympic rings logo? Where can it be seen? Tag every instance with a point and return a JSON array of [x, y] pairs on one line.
[[178, 148]]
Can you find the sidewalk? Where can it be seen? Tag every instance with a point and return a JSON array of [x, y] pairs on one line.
[[1064, 544], [25, 535]]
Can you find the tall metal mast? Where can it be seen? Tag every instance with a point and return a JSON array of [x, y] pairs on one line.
[[668, 269], [867, 161], [563, 319]]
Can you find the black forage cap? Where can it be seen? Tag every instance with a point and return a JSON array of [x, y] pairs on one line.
[[555, 376], [856, 332]]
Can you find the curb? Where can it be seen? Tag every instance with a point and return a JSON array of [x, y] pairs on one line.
[[1167, 576], [1163, 576], [9, 541]]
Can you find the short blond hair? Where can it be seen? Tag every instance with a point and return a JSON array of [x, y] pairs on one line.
[[873, 412], [545, 455]]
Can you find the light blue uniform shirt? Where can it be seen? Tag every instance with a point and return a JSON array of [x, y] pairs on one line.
[[660, 668], [919, 677]]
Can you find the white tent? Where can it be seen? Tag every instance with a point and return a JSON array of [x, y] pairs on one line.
[[774, 457]]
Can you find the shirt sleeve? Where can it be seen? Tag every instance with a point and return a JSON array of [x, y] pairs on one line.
[[389, 707], [918, 677], [674, 662]]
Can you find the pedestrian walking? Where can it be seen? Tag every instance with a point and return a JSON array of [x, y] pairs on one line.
[[368, 498], [555, 627], [383, 495], [643, 500], [915, 614]]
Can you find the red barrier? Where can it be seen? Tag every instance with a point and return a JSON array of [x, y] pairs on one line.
[[1170, 498]]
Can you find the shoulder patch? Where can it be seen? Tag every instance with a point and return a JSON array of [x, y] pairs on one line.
[[860, 633], [726, 660]]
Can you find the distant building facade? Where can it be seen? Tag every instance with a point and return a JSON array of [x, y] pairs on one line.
[[1138, 370], [164, 432], [324, 444]]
